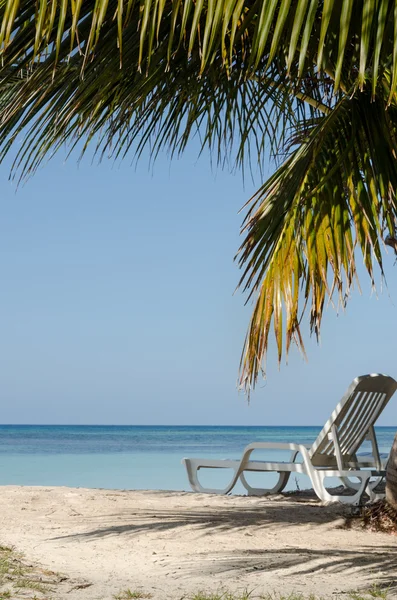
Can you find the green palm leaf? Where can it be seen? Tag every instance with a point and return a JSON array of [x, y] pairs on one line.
[[335, 194], [312, 80]]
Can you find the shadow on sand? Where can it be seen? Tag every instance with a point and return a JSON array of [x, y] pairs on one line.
[[378, 562]]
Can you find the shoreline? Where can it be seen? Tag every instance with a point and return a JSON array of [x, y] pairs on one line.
[[171, 544]]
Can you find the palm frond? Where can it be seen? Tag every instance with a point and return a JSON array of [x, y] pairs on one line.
[[90, 66], [234, 118], [332, 198], [347, 37], [314, 79]]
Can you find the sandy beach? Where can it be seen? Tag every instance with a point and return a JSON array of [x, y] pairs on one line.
[[170, 544]]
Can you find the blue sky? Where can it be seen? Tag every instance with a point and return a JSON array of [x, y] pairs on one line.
[[117, 305]]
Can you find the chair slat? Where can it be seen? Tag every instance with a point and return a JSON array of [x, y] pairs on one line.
[[358, 410], [361, 419]]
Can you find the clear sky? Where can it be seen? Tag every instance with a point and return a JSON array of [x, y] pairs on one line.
[[117, 305]]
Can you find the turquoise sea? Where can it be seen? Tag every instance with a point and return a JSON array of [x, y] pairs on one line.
[[136, 457]]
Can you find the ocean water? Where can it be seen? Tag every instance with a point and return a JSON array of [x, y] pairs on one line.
[[140, 457]]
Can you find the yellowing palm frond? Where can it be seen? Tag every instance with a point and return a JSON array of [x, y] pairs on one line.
[[334, 194]]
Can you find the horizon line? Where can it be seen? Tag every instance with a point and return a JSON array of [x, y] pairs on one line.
[[156, 425]]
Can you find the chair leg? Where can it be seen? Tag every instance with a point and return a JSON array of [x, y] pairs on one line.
[[280, 485], [325, 496], [192, 470], [353, 485], [373, 496]]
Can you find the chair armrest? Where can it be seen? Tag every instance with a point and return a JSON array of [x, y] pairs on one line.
[[277, 446], [295, 449]]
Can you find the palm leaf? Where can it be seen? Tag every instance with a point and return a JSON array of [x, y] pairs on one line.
[[332, 198], [261, 31], [313, 80], [105, 63]]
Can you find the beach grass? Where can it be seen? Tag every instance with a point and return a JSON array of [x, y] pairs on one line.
[[132, 595], [19, 579], [375, 592], [251, 596]]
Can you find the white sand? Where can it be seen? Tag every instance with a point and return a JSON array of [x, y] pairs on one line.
[[172, 544]]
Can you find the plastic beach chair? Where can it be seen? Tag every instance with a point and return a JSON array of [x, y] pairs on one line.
[[333, 454]]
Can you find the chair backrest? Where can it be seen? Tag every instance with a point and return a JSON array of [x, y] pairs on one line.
[[352, 419]]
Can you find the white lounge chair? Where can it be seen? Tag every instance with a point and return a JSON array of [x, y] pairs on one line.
[[333, 454]]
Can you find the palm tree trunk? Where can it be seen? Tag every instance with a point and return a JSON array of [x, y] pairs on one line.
[[391, 476]]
